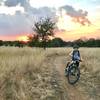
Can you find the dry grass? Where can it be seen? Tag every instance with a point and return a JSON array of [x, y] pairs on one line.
[[23, 76], [26, 73], [91, 58]]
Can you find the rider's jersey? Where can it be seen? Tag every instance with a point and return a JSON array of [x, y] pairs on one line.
[[75, 55]]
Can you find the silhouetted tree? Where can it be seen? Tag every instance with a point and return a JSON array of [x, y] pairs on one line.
[[1, 42], [57, 42], [44, 28], [33, 40]]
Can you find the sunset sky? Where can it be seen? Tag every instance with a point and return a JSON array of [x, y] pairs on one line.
[[75, 18]]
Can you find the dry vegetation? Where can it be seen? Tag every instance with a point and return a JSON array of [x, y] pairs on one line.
[[90, 69], [28, 73], [23, 74]]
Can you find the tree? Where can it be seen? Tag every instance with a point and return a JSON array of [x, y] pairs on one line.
[[44, 28], [79, 42], [1, 42], [33, 41], [57, 42]]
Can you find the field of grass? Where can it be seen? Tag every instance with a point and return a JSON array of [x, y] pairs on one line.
[[27, 73]]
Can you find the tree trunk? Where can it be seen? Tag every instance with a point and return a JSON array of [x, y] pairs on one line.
[[44, 42]]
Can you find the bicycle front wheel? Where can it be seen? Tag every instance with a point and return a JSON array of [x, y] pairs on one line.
[[73, 74]]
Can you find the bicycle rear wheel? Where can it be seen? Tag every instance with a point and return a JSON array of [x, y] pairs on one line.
[[73, 74]]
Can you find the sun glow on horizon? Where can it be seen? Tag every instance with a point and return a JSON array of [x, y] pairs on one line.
[[24, 38]]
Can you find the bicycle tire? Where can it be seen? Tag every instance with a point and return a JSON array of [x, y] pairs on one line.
[[69, 72]]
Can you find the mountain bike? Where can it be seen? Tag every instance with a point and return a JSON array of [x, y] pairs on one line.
[[72, 71]]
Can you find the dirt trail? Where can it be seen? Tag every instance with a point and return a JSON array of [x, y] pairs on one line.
[[69, 92]]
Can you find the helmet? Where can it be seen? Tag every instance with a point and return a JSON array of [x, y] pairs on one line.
[[75, 46]]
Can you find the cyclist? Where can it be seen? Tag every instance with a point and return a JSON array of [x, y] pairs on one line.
[[75, 56]]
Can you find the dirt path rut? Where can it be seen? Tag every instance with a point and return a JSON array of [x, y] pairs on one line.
[[67, 91]]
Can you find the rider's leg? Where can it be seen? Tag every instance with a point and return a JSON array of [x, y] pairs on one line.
[[77, 63]]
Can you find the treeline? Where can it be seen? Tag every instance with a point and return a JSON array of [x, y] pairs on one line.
[[56, 42], [88, 43], [12, 43]]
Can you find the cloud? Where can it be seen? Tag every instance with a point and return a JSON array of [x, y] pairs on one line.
[[78, 16], [23, 3], [16, 24], [11, 3], [20, 23], [38, 12], [1, 1], [96, 2]]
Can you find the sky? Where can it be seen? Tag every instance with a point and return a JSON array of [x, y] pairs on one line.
[[75, 19]]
